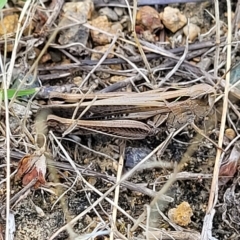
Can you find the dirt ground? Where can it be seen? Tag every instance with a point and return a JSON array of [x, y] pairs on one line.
[[177, 163]]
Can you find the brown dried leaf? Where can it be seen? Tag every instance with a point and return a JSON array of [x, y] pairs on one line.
[[229, 168], [31, 167]]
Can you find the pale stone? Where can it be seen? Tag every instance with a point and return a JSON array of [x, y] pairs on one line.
[[102, 49], [102, 23], [173, 19], [75, 33], [112, 15], [119, 11], [191, 31]]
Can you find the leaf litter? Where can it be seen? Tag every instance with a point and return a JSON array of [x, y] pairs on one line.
[[98, 56]]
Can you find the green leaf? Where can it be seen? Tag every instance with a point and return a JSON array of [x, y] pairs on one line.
[[2, 3], [19, 93]]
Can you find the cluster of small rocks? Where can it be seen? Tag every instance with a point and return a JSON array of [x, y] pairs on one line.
[[107, 22]]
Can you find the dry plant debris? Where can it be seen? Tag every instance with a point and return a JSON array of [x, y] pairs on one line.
[[134, 113], [32, 167], [181, 215]]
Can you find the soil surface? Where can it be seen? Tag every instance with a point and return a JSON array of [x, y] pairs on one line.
[[61, 172]]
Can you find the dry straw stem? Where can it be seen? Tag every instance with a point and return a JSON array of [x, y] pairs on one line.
[[179, 63], [133, 66], [207, 226], [8, 186], [214, 189], [74, 124], [117, 190], [116, 36], [26, 12], [6, 82], [28, 6], [139, 46], [35, 64], [217, 51]]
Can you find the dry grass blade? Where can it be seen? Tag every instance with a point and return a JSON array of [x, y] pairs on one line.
[[100, 61], [137, 41], [213, 192], [206, 231], [117, 190], [5, 85]]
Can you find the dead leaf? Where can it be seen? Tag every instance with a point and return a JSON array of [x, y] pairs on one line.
[[31, 167], [229, 167]]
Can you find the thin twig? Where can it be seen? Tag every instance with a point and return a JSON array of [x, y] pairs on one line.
[[224, 114], [109, 50], [214, 187], [137, 41], [116, 197]]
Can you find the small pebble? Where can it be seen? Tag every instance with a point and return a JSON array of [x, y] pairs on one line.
[[191, 31], [101, 22], [77, 80], [119, 11], [230, 133], [148, 19], [102, 49], [76, 33], [205, 63], [20, 110], [111, 15], [173, 19], [133, 155]]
